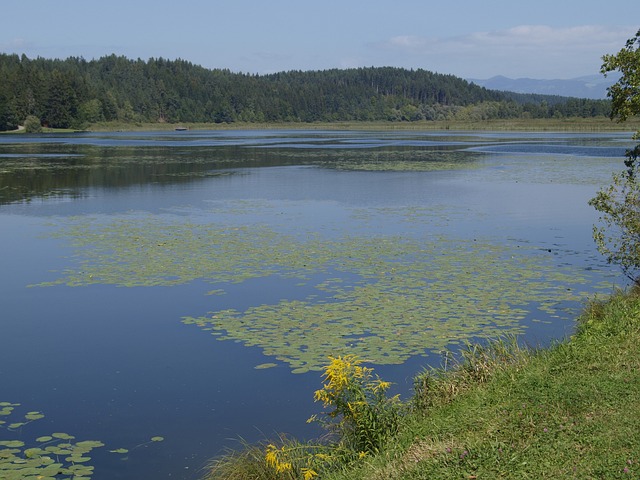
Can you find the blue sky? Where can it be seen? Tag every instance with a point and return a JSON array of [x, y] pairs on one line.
[[468, 38]]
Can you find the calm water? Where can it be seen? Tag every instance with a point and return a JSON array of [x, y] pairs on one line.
[[110, 359]]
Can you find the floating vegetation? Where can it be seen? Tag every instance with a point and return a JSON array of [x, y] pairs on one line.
[[384, 298], [124, 451], [550, 169], [410, 298], [52, 456], [120, 450], [401, 160], [263, 366]]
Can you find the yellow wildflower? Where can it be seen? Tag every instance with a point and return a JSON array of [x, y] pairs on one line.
[[308, 474], [284, 467], [271, 457], [381, 386]]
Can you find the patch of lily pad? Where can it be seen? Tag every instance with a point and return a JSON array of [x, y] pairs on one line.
[[396, 160], [55, 456], [548, 169], [384, 298]]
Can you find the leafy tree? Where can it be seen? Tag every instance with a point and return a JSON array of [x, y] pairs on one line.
[[90, 111], [32, 124], [619, 203]]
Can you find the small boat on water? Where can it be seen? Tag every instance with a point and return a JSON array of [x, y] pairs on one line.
[[181, 129]]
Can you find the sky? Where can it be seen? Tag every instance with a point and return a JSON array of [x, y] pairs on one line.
[[473, 39]]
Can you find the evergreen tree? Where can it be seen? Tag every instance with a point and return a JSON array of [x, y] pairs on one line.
[[74, 92]]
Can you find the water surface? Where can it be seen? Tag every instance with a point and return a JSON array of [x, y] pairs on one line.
[[147, 275]]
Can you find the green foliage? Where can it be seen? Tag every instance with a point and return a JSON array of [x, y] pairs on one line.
[[75, 92], [60, 106], [32, 124], [361, 419], [476, 364], [619, 203], [361, 414], [618, 237], [569, 411], [57, 455], [501, 411], [7, 114], [283, 459], [625, 93], [90, 111], [390, 270], [48, 456]]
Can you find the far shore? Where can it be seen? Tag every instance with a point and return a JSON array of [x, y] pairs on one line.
[[601, 124]]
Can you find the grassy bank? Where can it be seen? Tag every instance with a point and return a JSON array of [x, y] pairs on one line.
[[570, 411], [567, 412]]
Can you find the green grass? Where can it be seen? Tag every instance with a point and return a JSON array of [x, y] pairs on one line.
[[569, 411]]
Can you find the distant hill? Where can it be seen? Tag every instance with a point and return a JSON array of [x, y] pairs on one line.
[[75, 93], [591, 86]]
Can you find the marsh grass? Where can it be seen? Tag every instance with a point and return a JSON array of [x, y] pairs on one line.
[[475, 364], [544, 124], [284, 458], [501, 410], [246, 462], [573, 124]]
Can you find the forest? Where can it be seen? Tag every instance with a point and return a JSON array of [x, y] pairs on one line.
[[74, 93]]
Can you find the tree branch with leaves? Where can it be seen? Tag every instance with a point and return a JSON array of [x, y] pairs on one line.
[[618, 235]]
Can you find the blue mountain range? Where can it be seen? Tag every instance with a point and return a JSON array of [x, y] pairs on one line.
[[591, 86]]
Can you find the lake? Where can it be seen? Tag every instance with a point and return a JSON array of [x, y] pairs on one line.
[[166, 293]]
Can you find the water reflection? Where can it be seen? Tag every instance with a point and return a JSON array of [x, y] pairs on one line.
[[66, 165]]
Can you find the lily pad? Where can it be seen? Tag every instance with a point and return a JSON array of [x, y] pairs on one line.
[[383, 297], [119, 450], [18, 462], [11, 443], [34, 415], [33, 452], [89, 444], [74, 459], [262, 366]]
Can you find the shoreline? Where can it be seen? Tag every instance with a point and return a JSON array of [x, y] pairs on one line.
[[568, 125], [603, 124]]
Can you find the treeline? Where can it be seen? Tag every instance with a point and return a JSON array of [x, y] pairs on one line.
[[74, 93]]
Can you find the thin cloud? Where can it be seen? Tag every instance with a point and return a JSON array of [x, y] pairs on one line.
[[533, 50], [16, 45], [536, 36], [531, 36]]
